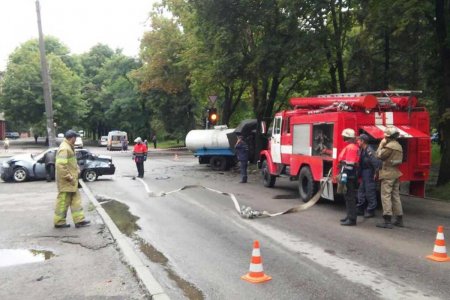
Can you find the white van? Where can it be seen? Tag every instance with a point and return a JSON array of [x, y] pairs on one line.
[[115, 139]]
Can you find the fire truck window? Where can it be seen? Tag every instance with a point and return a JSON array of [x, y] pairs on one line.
[[277, 128], [322, 140], [287, 125]]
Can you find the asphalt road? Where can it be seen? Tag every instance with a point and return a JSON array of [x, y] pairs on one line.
[[308, 254]]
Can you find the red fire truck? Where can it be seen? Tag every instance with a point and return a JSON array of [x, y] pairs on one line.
[[304, 142]]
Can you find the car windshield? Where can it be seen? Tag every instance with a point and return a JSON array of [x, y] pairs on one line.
[[39, 155]]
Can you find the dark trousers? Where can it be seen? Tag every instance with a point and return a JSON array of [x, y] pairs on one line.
[[140, 169], [350, 198], [154, 145], [367, 191], [243, 166], [50, 172]]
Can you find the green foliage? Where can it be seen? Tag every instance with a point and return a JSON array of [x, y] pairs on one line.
[[22, 97]]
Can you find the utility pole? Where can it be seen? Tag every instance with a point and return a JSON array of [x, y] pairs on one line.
[[46, 82]]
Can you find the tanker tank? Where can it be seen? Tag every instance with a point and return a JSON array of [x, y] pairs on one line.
[[209, 138]]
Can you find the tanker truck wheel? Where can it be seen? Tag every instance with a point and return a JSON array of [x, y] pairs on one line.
[[268, 179], [218, 163], [306, 185]]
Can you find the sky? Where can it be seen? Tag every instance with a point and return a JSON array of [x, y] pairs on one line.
[[79, 24]]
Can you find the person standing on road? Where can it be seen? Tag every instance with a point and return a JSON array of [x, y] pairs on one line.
[[242, 155], [139, 156], [6, 144], [67, 171], [369, 165], [49, 161], [154, 141], [348, 163], [390, 152]]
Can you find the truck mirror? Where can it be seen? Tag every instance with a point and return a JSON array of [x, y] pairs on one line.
[[263, 127]]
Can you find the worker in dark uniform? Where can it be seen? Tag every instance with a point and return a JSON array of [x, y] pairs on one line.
[[348, 163], [242, 155], [49, 160], [369, 165]]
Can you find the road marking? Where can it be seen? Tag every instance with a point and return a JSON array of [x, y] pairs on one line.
[[387, 286]]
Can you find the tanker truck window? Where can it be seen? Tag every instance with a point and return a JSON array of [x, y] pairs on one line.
[[322, 140]]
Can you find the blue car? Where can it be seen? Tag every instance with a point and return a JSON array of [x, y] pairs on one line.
[[25, 167]]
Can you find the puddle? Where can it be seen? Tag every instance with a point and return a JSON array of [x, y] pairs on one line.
[[126, 222], [12, 257], [121, 216]]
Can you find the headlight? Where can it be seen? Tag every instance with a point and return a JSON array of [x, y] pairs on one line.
[[5, 165]]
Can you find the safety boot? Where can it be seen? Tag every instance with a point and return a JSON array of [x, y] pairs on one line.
[[82, 224], [62, 225], [399, 221], [387, 222], [349, 222], [343, 220]]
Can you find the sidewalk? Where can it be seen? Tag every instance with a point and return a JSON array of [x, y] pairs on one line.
[[75, 263]]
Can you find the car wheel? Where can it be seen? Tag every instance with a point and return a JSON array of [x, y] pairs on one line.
[[306, 185], [268, 179], [90, 175], [20, 174], [218, 163]]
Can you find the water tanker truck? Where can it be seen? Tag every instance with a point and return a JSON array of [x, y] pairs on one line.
[[216, 146]]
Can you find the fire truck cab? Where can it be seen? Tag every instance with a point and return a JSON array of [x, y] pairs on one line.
[[305, 142]]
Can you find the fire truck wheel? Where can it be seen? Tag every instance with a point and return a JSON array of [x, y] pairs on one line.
[[268, 180], [218, 163], [306, 185]]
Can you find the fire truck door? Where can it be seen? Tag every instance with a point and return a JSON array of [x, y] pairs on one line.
[[275, 146]]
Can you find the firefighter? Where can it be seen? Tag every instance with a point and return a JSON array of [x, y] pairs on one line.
[[67, 171], [139, 156], [390, 152], [348, 163], [242, 155], [369, 165]]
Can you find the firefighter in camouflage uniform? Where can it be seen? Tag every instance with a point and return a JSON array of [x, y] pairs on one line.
[[67, 171], [390, 152]]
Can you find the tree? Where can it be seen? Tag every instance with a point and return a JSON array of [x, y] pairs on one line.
[[22, 98]]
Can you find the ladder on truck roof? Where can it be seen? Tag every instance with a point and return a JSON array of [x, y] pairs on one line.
[[383, 97]]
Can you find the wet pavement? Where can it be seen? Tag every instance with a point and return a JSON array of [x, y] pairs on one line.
[[38, 261]]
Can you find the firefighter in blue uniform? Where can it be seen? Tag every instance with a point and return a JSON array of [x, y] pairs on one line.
[[369, 165], [241, 149]]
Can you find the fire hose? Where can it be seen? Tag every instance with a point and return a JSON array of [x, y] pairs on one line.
[[246, 211]]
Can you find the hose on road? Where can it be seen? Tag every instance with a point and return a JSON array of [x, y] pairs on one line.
[[246, 211]]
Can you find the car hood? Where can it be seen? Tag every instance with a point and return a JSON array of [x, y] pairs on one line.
[[21, 157]]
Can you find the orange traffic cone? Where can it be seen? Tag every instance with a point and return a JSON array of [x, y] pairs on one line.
[[439, 251], [256, 273]]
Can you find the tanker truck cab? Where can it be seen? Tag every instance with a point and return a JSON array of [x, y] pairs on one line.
[[306, 140]]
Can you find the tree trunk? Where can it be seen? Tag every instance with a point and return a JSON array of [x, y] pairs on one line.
[[444, 104], [387, 52]]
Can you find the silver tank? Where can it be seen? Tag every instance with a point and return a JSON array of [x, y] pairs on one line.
[[208, 138]]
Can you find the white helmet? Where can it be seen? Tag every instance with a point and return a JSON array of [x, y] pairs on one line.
[[390, 131], [348, 133], [138, 140]]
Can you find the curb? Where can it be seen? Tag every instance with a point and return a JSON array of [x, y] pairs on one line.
[[153, 287]]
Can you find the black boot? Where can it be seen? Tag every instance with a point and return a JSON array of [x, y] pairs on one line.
[[343, 220], [369, 214], [82, 224], [349, 222], [387, 222], [399, 221]]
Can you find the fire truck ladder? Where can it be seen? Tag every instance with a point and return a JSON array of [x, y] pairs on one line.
[[383, 97]]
